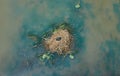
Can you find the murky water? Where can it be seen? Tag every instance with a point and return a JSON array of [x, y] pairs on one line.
[[96, 29]]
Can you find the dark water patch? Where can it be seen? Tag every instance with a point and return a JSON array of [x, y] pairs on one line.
[[112, 57], [117, 12], [117, 9], [55, 74], [118, 27]]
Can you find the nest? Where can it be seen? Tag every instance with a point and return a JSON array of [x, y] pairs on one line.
[[60, 41]]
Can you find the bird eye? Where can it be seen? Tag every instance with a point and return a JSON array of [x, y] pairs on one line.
[[58, 38]]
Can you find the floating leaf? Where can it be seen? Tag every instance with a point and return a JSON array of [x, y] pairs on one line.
[[77, 6], [71, 56]]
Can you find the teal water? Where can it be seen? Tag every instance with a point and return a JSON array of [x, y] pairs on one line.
[[96, 38]]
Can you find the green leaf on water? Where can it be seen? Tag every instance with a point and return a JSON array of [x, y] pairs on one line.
[[77, 6], [71, 56]]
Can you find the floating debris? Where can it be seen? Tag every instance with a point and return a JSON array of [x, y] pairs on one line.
[[45, 56], [33, 37], [36, 39]]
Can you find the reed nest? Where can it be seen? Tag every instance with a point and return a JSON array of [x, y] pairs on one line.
[[60, 41]]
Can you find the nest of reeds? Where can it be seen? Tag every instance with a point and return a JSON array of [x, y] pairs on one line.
[[60, 41]]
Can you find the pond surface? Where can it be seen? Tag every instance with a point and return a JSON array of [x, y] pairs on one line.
[[95, 28]]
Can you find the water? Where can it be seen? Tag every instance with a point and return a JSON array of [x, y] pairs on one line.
[[95, 27]]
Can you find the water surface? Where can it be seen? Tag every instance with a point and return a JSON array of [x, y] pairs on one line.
[[96, 29]]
